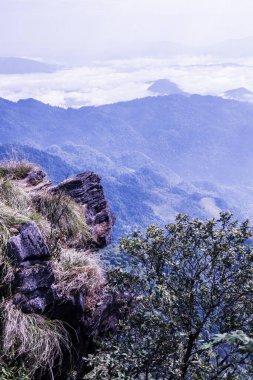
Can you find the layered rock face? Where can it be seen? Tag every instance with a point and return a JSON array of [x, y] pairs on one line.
[[34, 288], [33, 274], [86, 189]]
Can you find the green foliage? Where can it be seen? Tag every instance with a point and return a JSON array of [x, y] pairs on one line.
[[237, 338], [10, 372], [188, 282]]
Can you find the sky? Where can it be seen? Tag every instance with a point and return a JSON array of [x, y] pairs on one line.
[[111, 50], [75, 30]]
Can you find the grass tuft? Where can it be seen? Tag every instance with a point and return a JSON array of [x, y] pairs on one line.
[[79, 272], [13, 169], [66, 218], [10, 220], [15, 207], [14, 197], [32, 338]]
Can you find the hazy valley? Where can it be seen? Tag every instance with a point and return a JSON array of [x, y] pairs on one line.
[[157, 156]]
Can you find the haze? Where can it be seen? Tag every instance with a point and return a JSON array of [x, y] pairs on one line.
[[73, 31]]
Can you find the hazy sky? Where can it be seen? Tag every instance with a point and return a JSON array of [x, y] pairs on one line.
[[60, 29]]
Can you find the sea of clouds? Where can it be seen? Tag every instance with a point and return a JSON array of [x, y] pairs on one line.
[[121, 80]]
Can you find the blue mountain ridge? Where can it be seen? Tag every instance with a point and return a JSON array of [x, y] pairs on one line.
[[157, 156]]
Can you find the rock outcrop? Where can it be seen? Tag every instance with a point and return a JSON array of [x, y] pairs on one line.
[[86, 189], [28, 246], [35, 177], [33, 274], [34, 288]]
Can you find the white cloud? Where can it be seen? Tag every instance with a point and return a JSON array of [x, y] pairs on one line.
[[114, 81]]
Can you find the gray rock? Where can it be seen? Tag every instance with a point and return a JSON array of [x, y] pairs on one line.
[[40, 301], [33, 275], [86, 189], [33, 278], [35, 177], [28, 245], [104, 319]]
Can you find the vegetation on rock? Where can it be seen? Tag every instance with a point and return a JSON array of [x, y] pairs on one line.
[[50, 278]]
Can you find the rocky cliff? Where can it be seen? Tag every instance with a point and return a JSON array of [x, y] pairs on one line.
[[49, 263]]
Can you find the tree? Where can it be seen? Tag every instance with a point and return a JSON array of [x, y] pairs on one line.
[[189, 282]]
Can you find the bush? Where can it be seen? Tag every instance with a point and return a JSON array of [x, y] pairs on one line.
[[189, 282]]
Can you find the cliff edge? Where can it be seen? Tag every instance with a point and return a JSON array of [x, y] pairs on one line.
[[53, 285]]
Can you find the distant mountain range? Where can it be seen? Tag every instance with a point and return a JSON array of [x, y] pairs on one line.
[[233, 48], [55, 167], [157, 156], [199, 137], [13, 65], [228, 49]]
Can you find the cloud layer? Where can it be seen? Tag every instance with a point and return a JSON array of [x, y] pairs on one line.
[[114, 81]]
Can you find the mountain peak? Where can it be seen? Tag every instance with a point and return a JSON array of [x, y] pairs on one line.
[[165, 87], [241, 94]]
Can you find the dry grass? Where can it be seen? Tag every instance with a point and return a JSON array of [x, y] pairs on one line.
[[15, 197], [10, 217], [60, 218], [80, 272], [32, 338], [10, 220], [5, 268], [15, 207], [66, 218], [14, 169]]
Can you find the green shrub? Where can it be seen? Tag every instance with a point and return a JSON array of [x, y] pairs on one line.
[[191, 286]]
